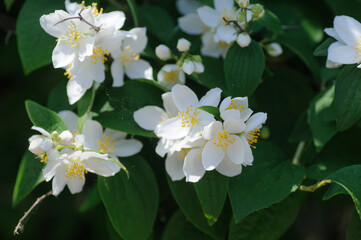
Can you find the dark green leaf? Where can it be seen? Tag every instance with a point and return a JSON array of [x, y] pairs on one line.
[[302, 130], [92, 199], [179, 228], [212, 193], [267, 224], [318, 118], [117, 105], [131, 203], [334, 190], [34, 44], [271, 21], [84, 106], [243, 68], [348, 97], [8, 4], [58, 100], [29, 176], [212, 110], [270, 180], [346, 7], [43, 117], [353, 231], [322, 49], [187, 200], [134, 10]]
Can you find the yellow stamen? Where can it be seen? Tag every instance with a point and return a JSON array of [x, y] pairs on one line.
[[44, 158], [99, 54], [75, 170], [252, 137], [233, 105], [223, 140], [127, 56], [106, 145], [189, 117], [72, 36]]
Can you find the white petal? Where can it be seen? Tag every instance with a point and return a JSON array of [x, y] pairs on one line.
[[127, 147], [226, 34], [101, 167], [235, 151], [348, 29], [223, 4], [211, 156], [117, 73], [234, 126], [172, 129], [193, 167], [191, 24], [114, 134], [209, 16], [169, 105], [231, 114], [70, 7], [59, 181], [35, 144], [174, 167], [74, 91], [75, 185], [245, 114], [248, 156], [63, 55], [139, 69], [188, 67], [343, 54], [42, 131], [225, 104], [187, 6], [138, 44], [161, 148], [114, 18], [209, 47], [211, 98], [92, 131], [86, 47], [48, 21], [184, 97], [332, 33], [212, 130], [70, 119], [256, 121], [149, 117], [50, 169], [228, 168]]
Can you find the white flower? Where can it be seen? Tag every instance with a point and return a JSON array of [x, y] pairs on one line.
[[235, 108], [163, 52], [74, 37], [347, 48], [198, 67], [187, 6], [190, 120], [39, 144], [188, 67], [126, 60], [191, 24], [274, 49], [66, 137], [111, 142], [183, 45], [69, 168], [213, 48], [243, 40], [170, 75]]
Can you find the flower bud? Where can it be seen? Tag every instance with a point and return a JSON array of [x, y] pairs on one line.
[[198, 67], [257, 11], [163, 52], [274, 49], [34, 146], [55, 136], [243, 40], [183, 45], [188, 67], [66, 137], [243, 3], [46, 145], [241, 17]]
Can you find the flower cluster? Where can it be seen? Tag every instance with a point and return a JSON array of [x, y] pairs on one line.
[[86, 39], [71, 154], [172, 74], [194, 141]]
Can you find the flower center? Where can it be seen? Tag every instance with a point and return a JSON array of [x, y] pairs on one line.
[[106, 145], [171, 76], [223, 140], [189, 117], [72, 36], [68, 72], [99, 54], [127, 56], [224, 44], [95, 11], [252, 137], [228, 15], [233, 105], [75, 170], [43, 158], [182, 154], [357, 46]]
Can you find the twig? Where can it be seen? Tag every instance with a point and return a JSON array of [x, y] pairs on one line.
[[234, 22], [298, 153], [20, 227], [80, 17], [314, 187]]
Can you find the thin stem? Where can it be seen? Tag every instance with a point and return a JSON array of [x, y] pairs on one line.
[[20, 227], [314, 187], [245, 20], [80, 17], [234, 22], [298, 153]]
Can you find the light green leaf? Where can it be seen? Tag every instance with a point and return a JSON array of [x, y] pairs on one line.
[[34, 44], [212, 193], [179, 228], [348, 97], [29, 176], [212, 110], [270, 180], [131, 203], [322, 49], [243, 68], [43, 117]]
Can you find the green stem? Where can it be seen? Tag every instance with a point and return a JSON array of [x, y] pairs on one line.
[[245, 20], [298, 153], [314, 187]]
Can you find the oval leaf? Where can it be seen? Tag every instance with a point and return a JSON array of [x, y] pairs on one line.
[[212, 110]]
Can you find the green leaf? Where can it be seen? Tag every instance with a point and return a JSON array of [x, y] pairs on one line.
[[322, 49], [34, 44], [29, 176], [346, 7], [267, 224], [131, 203], [348, 97], [84, 106], [350, 179], [179, 228], [270, 180], [43, 117], [8, 4], [334, 190], [318, 118], [271, 21], [212, 110], [161, 26], [187, 200], [92, 199], [353, 231], [243, 68], [134, 10], [58, 99], [302, 130], [116, 106], [212, 193]]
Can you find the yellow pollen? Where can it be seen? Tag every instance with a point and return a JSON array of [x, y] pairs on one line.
[[189, 117], [127, 56], [106, 145], [223, 140], [68, 72], [72, 36], [99, 54], [357, 46], [75, 170], [233, 105], [224, 44], [43, 158], [93, 7], [163, 117], [252, 137], [182, 153], [171, 76]]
